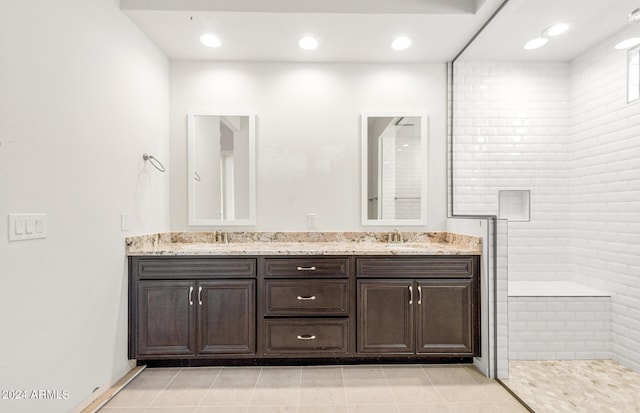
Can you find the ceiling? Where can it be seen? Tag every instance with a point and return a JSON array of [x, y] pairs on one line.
[[348, 30], [522, 20], [362, 30]]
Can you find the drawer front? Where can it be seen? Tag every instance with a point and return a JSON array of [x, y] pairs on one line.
[[306, 297], [196, 268], [431, 267], [311, 337], [307, 267]]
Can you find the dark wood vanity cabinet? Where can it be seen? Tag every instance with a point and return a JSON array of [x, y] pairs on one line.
[[435, 314], [182, 308], [304, 307]]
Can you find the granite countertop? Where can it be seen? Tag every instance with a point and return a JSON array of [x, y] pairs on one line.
[[303, 243]]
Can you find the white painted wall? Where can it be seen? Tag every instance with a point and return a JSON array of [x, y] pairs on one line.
[[82, 95], [308, 137]]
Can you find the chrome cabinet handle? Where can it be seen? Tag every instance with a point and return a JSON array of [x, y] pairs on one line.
[[306, 268], [313, 297], [419, 295], [410, 295], [200, 295], [306, 337], [190, 295]]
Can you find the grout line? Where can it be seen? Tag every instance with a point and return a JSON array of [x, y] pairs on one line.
[[163, 389], [299, 389], [255, 386], [393, 396], [115, 389], [344, 387], [210, 387]]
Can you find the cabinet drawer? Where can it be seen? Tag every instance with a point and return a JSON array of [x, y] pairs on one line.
[[431, 267], [306, 297], [308, 336], [307, 267], [196, 268]]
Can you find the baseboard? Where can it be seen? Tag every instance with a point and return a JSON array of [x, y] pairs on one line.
[[105, 393]]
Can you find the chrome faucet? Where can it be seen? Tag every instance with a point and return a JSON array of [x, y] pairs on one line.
[[395, 236], [219, 237]]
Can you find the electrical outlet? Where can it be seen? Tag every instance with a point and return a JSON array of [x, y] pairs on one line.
[[124, 221], [312, 220]]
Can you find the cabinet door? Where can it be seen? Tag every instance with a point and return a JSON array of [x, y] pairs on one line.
[[444, 317], [227, 317], [385, 316], [166, 318]]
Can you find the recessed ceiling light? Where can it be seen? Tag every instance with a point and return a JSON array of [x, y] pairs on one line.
[[401, 43], [628, 44], [556, 29], [210, 40], [308, 43], [536, 43]]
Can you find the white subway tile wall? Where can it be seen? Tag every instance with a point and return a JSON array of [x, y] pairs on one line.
[[502, 303], [564, 131], [401, 176], [511, 132], [559, 328], [605, 188]]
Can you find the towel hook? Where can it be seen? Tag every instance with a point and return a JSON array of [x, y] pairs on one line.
[[154, 161]]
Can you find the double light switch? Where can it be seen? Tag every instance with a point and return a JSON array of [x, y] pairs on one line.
[[27, 226]]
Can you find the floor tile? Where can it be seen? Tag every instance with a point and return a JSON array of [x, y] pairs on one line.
[[369, 394], [455, 375], [322, 394], [221, 409], [373, 408], [144, 388], [580, 386], [488, 408], [232, 386], [423, 408], [188, 388], [323, 409], [272, 409], [315, 389]]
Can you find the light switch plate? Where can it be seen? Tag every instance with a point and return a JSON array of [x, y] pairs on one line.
[[312, 220], [124, 221], [27, 226]]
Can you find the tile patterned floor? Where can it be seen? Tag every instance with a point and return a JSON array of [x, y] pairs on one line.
[[576, 386], [317, 389]]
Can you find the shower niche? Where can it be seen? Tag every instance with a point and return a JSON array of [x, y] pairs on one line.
[[514, 205]]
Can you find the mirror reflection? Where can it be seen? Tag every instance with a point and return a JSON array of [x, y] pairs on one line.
[[394, 169], [221, 169]]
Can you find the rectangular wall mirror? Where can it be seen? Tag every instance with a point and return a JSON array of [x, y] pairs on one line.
[[221, 168], [394, 169]]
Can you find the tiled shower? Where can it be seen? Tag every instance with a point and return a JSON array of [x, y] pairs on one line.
[[562, 138]]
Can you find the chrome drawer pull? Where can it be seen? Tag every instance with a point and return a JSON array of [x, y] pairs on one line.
[[200, 295], [313, 297], [306, 337], [419, 295], [190, 295], [410, 295], [306, 268]]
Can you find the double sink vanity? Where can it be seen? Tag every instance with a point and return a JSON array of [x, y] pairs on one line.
[[198, 298]]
